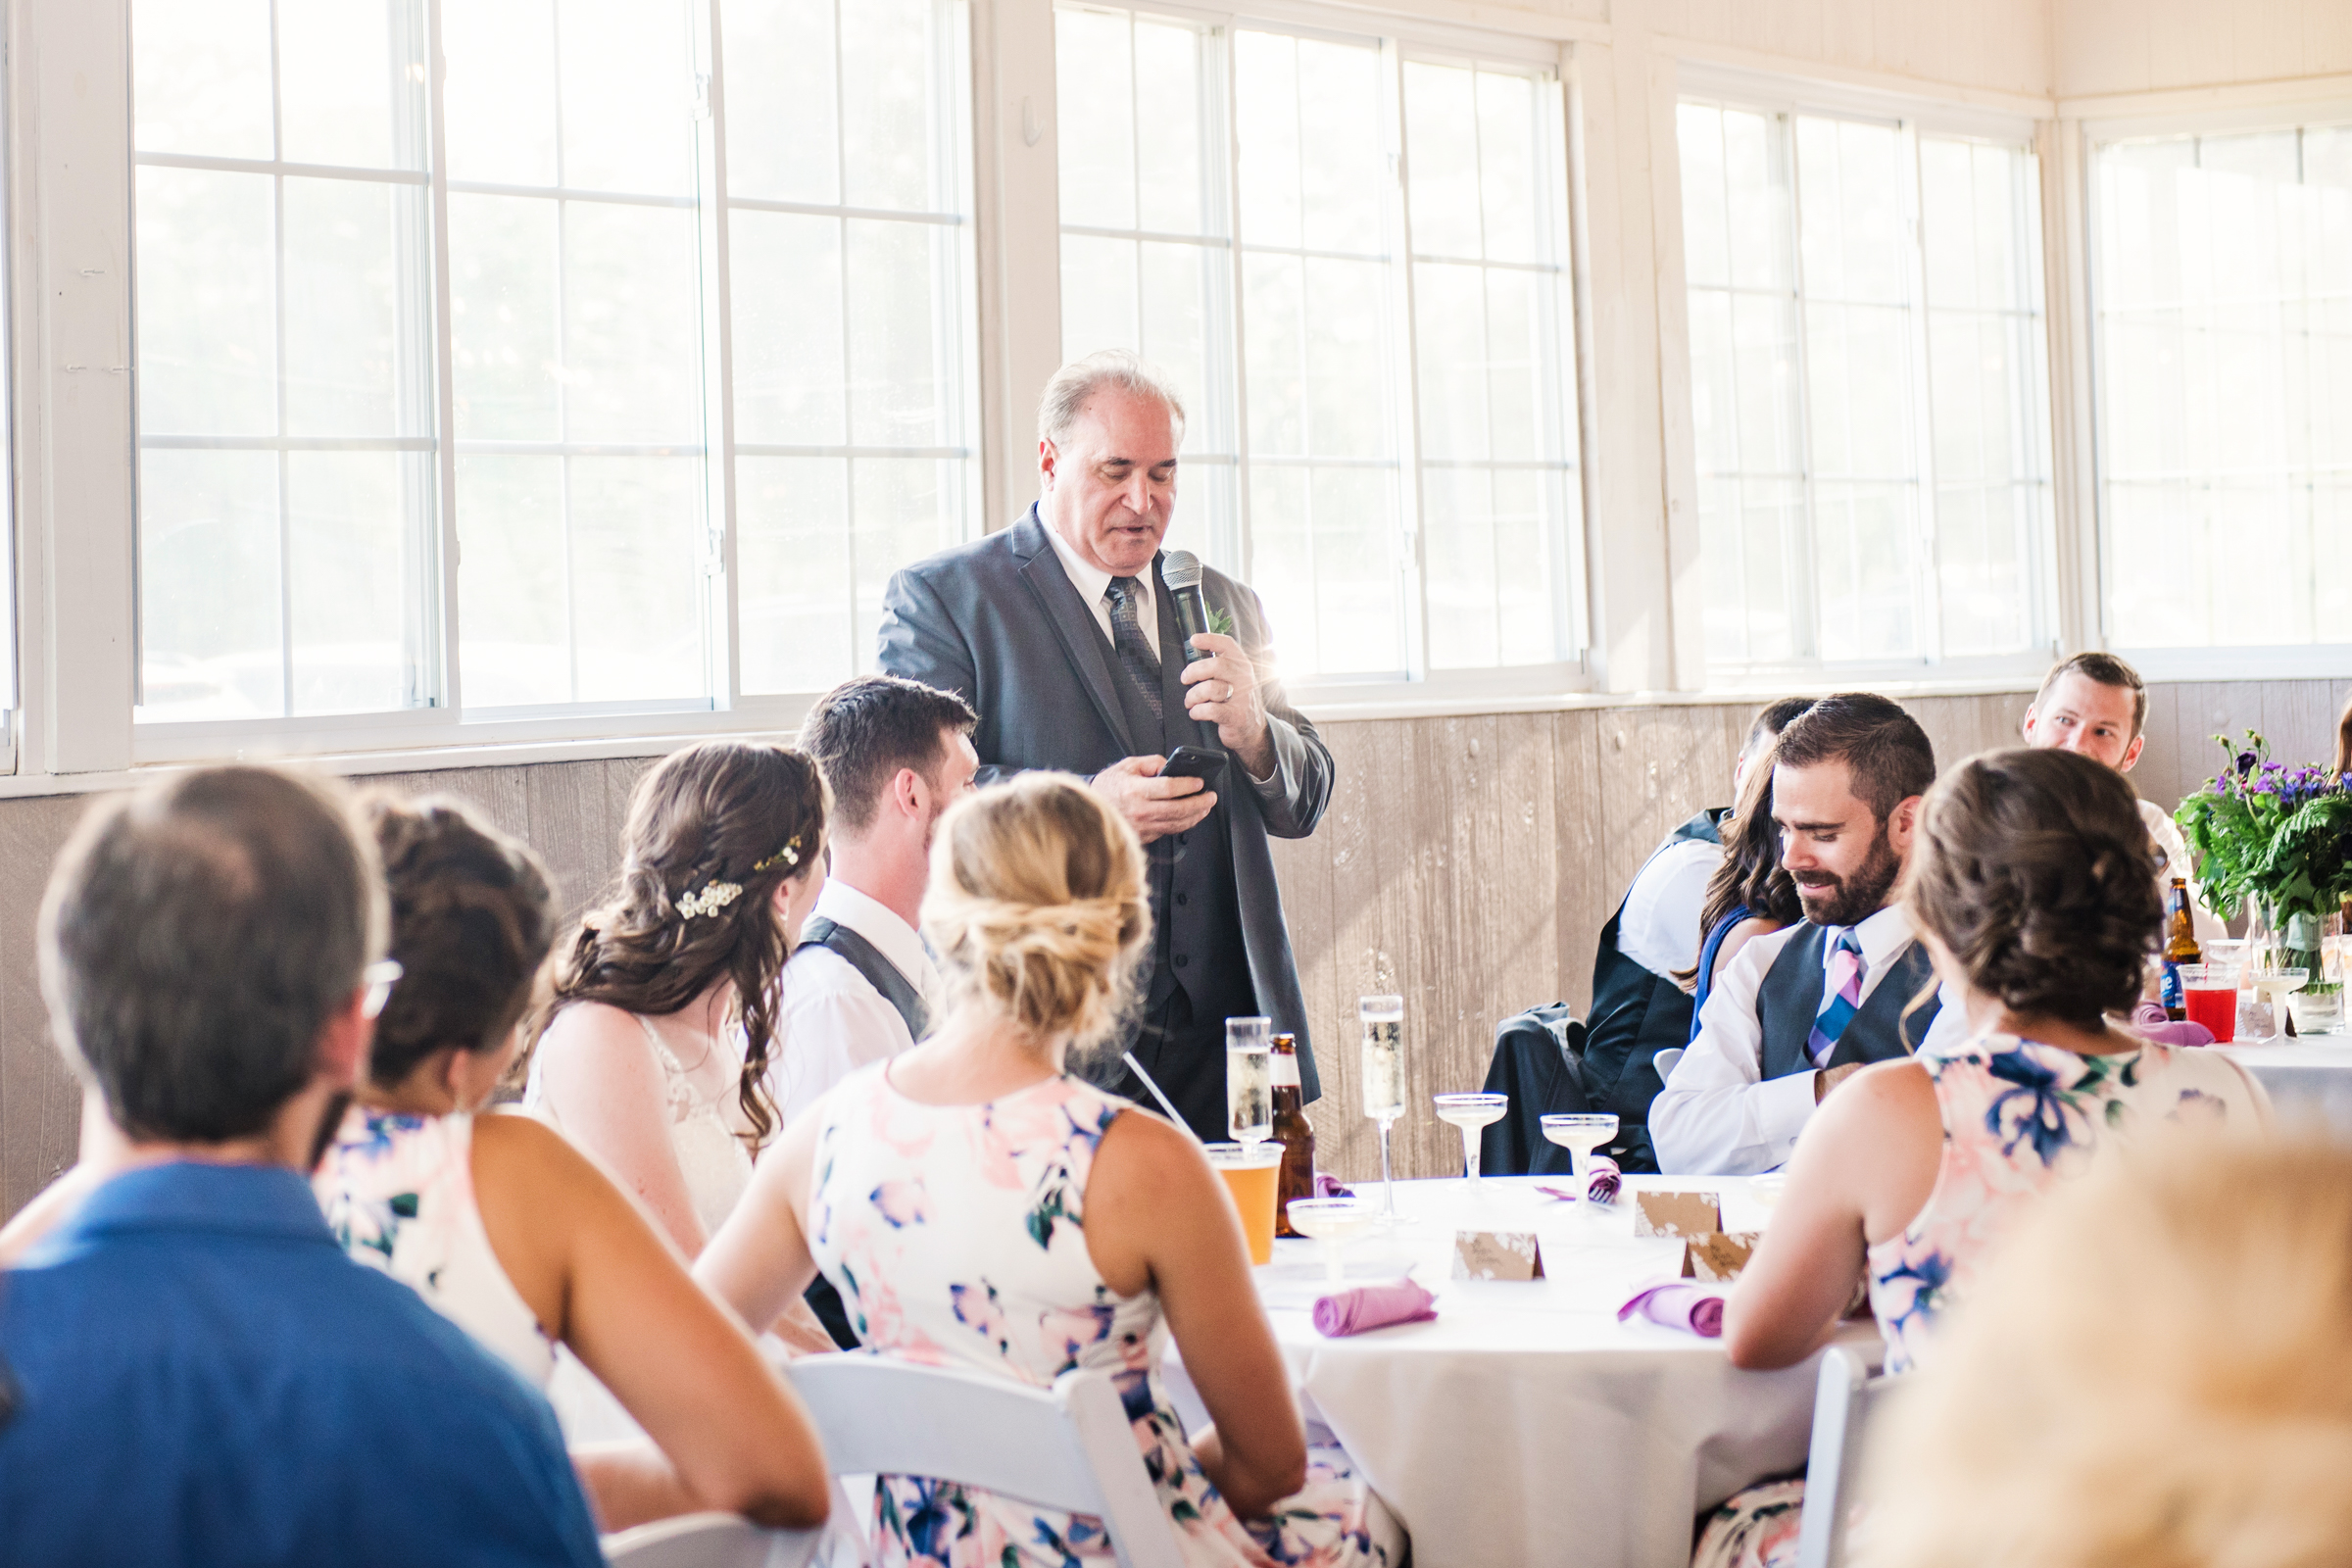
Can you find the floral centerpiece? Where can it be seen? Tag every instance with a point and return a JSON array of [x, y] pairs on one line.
[[2279, 837]]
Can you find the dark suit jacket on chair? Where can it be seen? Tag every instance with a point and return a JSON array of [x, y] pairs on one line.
[[998, 622]]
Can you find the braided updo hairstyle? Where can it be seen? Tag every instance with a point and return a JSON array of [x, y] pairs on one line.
[[2034, 871], [1038, 906], [738, 812], [472, 919]]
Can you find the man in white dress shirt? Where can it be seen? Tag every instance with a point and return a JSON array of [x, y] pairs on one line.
[[1800, 1011], [2096, 703], [861, 985]]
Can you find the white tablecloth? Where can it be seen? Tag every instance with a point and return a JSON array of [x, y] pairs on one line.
[[1527, 1425], [2307, 1079]]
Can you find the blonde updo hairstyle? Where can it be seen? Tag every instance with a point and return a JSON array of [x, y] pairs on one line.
[[2156, 1370], [1038, 906]]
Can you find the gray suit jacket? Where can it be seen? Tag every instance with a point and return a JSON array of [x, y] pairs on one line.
[[998, 622]]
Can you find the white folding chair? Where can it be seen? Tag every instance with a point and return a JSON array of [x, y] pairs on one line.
[[1069, 1449], [1845, 1400], [1664, 1060], [710, 1540]]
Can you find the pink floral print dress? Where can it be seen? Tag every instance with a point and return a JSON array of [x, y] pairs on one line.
[[956, 1235]]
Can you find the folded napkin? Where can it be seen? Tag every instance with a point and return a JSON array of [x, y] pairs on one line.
[[1606, 1180], [1678, 1305], [1372, 1306], [2149, 1022], [1329, 1186]]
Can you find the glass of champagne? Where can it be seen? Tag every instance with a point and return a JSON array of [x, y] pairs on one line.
[[1383, 1019], [1471, 1113], [1249, 1080], [1580, 1133]]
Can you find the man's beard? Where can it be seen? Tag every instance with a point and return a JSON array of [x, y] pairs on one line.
[[1851, 899]]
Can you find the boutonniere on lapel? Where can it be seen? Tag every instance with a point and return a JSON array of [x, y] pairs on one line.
[[1220, 621]]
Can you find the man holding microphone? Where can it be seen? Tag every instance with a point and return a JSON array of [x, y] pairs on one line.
[[1067, 633]]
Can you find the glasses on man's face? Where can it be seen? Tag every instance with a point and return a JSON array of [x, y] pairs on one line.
[[379, 978]]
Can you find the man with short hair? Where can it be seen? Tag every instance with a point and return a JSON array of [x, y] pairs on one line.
[[1062, 631], [202, 1375], [1801, 1009], [861, 986], [2096, 703]]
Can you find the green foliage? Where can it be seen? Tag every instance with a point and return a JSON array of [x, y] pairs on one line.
[[2261, 830]]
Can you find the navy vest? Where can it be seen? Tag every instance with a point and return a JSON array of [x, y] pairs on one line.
[[1790, 999]]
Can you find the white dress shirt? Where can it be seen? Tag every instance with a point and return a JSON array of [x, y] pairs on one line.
[[1093, 581], [1717, 1115], [2167, 834], [830, 1020], [1658, 928]]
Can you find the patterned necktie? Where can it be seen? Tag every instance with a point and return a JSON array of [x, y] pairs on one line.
[[1135, 651], [1840, 997]]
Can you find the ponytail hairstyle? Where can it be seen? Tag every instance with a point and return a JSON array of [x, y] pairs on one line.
[[472, 919], [2034, 871], [1038, 906], [712, 833]]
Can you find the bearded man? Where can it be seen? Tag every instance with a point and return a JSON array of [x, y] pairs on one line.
[[1800, 1011]]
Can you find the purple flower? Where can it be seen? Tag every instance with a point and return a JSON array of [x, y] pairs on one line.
[[2245, 762]]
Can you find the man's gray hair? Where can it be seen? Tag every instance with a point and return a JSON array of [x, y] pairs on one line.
[[1109, 370], [195, 939]]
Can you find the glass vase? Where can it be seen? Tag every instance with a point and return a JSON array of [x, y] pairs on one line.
[[2286, 937]]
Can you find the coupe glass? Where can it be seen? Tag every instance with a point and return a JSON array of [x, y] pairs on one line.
[[1580, 1133], [1470, 1113], [1332, 1220], [1383, 1019]]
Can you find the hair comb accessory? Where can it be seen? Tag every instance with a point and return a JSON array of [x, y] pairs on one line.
[[789, 854], [712, 898]]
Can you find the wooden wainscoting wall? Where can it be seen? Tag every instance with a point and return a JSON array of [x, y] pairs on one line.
[[1466, 863]]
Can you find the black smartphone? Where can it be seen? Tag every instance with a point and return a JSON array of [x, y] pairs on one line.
[[1193, 761]]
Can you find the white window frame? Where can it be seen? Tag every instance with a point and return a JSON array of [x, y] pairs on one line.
[[1398, 42], [1914, 117], [2256, 109]]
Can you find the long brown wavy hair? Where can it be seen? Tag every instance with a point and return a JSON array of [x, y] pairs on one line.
[[725, 811], [1750, 874]]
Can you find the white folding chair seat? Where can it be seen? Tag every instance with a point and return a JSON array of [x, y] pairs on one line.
[[1068, 1449], [710, 1540], [1845, 1402]]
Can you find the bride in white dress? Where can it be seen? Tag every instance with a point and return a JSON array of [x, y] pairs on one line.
[[654, 1053]]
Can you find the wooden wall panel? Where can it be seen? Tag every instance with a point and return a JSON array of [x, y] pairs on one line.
[[1468, 862]]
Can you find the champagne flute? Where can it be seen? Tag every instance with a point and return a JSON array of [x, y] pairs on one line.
[[1383, 1019], [1470, 1113], [1249, 1080]]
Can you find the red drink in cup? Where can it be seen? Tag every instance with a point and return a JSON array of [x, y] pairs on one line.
[[2208, 994]]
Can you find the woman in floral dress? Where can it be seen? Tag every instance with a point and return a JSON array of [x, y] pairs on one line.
[[2032, 885], [978, 1207]]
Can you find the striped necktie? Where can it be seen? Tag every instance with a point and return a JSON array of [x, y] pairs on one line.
[[1840, 997], [1134, 650]]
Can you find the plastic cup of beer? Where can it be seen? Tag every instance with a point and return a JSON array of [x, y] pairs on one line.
[[1251, 1173], [2209, 995]]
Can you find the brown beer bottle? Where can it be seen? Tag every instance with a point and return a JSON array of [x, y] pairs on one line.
[[1294, 1132], [2179, 947]]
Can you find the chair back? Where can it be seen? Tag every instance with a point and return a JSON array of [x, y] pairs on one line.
[[1845, 1402], [1665, 1059], [710, 1540], [1070, 1447]]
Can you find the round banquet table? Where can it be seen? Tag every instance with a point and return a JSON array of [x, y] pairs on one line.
[[2308, 1079], [1526, 1424]]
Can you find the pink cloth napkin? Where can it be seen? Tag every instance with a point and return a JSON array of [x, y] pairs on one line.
[[1606, 1180], [1678, 1305], [1372, 1306], [2149, 1022], [1329, 1186]]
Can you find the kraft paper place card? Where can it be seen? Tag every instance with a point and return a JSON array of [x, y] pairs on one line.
[[1677, 1214], [1497, 1255], [1718, 1257]]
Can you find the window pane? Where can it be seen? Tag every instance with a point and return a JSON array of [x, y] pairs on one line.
[[897, 387], [499, 93], [627, 82], [796, 555], [2224, 361], [887, 128], [343, 327], [502, 307], [788, 330], [1093, 71], [513, 582], [783, 124], [351, 579], [199, 77], [1169, 133], [208, 330], [636, 569], [632, 360], [209, 558], [351, 74]]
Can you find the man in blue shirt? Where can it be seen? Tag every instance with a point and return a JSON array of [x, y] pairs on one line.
[[202, 1377]]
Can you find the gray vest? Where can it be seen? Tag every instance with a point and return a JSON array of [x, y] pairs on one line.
[[1790, 999]]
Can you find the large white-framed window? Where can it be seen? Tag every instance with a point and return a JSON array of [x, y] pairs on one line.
[[521, 369], [1868, 388], [1353, 254], [2222, 309]]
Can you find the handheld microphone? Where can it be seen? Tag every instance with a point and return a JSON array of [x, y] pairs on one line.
[[1180, 570]]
